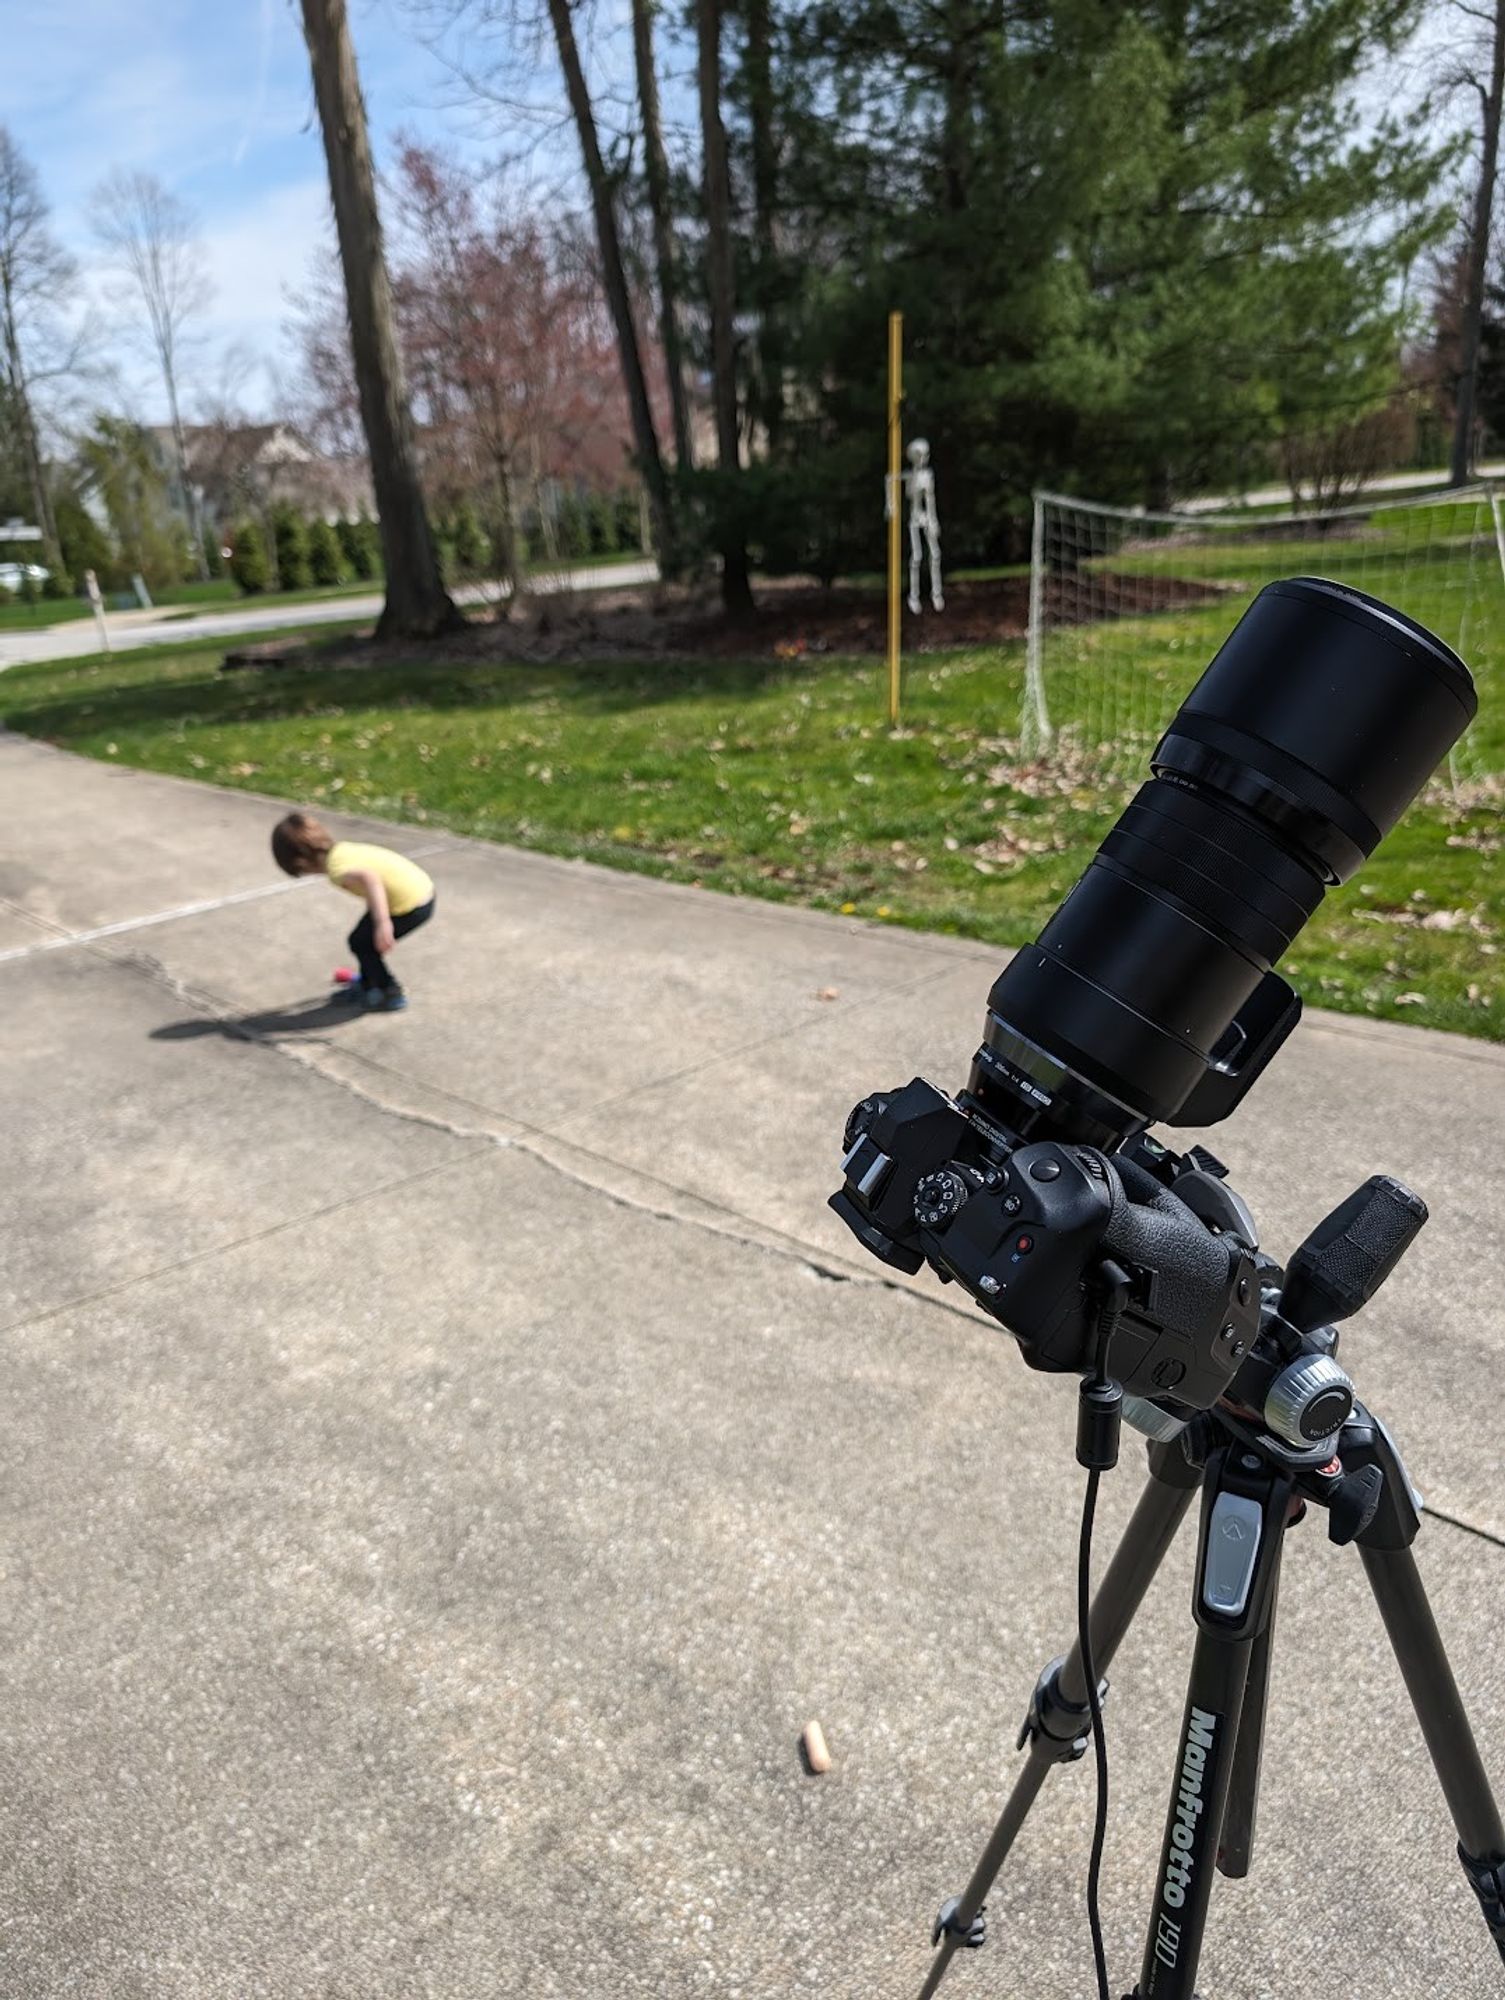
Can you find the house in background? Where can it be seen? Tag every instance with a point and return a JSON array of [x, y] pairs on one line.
[[247, 469]]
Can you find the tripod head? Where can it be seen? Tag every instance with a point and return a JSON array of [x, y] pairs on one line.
[[1351, 1253], [1291, 1379], [1290, 1401]]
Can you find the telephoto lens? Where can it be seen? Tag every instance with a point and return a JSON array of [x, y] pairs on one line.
[[1150, 994]]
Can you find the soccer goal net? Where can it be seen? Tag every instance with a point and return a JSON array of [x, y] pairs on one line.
[[1126, 608]]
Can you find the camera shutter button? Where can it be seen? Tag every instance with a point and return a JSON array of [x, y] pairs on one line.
[[1045, 1170]]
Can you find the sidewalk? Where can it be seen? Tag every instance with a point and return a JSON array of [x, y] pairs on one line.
[[166, 626], [1388, 482], [450, 1456]]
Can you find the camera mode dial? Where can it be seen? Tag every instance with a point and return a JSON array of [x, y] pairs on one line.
[[938, 1197]]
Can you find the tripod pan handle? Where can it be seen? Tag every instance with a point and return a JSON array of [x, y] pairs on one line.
[[1347, 1257]]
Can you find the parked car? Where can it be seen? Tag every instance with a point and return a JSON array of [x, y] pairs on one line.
[[14, 574]]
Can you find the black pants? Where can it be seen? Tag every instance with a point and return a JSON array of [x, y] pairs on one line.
[[375, 972]]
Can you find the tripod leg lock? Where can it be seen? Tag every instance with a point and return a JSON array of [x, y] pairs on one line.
[[1055, 1727], [969, 1937], [1488, 1878]]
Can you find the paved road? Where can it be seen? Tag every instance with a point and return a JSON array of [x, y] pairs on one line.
[[1389, 482], [138, 628], [448, 1458]]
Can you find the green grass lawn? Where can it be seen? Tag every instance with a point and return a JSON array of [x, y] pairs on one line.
[[1113, 683], [19, 617], [771, 778]]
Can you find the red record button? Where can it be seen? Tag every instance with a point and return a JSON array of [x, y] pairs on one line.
[[1024, 1245]]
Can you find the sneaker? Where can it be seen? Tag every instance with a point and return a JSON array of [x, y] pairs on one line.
[[386, 1000], [349, 989]]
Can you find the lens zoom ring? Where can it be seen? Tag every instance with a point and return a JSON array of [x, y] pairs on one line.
[[1253, 932], [1281, 901], [1234, 829]]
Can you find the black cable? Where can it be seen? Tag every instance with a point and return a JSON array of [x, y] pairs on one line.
[[1101, 1458], [1100, 1748]]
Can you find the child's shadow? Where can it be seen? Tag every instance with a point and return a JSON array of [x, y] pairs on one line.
[[311, 1016]]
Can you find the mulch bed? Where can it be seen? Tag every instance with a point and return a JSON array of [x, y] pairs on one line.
[[794, 618]]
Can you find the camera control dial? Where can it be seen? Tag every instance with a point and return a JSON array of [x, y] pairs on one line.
[[938, 1197]]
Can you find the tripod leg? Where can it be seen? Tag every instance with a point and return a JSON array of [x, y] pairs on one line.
[[1058, 1727], [1423, 1661], [1237, 1845], [1245, 1510]]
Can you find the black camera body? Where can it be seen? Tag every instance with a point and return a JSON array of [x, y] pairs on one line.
[[1025, 1226], [1151, 995]]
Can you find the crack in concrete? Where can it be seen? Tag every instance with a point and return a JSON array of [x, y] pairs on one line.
[[769, 1240], [766, 1237]]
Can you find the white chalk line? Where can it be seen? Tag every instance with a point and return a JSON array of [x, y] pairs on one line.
[[211, 903]]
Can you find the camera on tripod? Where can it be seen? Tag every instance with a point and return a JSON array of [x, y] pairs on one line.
[[1151, 996]]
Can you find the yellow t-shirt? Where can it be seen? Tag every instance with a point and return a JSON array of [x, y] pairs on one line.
[[407, 887]]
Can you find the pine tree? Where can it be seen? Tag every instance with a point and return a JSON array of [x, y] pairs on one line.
[[290, 539], [355, 548], [248, 559], [468, 541], [326, 559], [85, 545], [1132, 246], [572, 529], [603, 525], [629, 531]]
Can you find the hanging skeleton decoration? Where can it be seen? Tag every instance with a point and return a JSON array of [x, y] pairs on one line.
[[924, 523]]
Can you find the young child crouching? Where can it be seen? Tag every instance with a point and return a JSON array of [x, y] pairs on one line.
[[397, 893]]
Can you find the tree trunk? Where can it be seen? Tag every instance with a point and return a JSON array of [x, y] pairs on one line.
[[546, 527], [618, 298], [963, 33], [1478, 259], [31, 450], [736, 591], [656, 175], [507, 564], [190, 494], [417, 604], [760, 99]]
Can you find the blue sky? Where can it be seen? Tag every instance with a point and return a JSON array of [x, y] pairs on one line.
[[216, 100]]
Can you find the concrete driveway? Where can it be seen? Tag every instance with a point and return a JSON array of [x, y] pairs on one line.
[[448, 1458]]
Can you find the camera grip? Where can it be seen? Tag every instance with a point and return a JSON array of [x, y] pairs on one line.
[[1190, 1274]]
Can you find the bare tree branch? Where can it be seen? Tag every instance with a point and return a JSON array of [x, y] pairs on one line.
[[35, 273], [152, 237]]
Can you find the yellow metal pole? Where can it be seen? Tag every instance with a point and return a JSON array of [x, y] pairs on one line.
[[895, 502]]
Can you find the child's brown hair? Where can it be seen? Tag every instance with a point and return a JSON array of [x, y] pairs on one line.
[[300, 843]]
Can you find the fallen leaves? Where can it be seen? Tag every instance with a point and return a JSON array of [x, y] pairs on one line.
[[1410, 918]]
